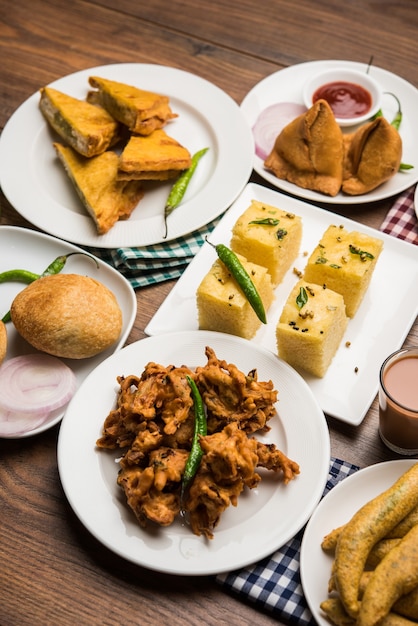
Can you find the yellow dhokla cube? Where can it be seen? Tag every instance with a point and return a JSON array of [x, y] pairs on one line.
[[222, 305], [310, 328], [344, 261], [268, 236]]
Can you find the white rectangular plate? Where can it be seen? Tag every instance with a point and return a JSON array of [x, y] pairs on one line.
[[379, 327]]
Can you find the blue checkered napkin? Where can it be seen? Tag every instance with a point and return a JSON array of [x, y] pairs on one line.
[[154, 264], [274, 583]]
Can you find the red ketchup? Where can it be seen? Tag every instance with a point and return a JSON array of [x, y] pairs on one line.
[[345, 99]]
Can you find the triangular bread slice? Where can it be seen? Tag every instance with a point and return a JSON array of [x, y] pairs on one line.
[[153, 157], [87, 128], [106, 199], [140, 110]]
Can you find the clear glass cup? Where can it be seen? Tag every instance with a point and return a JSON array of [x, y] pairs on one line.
[[398, 401]]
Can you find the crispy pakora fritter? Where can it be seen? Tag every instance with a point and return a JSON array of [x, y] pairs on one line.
[[231, 395], [271, 458], [154, 423]]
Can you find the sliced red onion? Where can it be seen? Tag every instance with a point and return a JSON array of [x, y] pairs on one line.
[[35, 383], [271, 122], [14, 423]]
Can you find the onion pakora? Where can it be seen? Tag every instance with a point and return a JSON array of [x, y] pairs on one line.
[[153, 422]]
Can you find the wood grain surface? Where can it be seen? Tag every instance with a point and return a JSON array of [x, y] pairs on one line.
[[52, 571]]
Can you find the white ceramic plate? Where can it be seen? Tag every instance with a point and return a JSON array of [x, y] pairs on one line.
[[22, 248], [246, 533], [382, 322], [207, 116], [337, 507], [287, 85]]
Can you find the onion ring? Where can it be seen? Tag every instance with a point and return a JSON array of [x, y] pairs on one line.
[[271, 122], [14, 423], [34, 383]]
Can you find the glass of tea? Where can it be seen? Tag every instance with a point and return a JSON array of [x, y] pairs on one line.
[[398, 401]]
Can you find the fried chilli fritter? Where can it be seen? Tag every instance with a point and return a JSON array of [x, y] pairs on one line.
[[154, 423]]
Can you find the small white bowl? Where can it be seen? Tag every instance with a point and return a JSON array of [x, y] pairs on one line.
[[351, 77]]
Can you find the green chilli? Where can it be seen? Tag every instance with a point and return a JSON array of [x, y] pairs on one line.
[[238, 271], [200, 430], [20, 276], [24, 276], [179, 188]]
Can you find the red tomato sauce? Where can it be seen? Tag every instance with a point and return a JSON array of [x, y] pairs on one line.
[[345, 99]]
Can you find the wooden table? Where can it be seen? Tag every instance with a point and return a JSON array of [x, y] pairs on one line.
[[51, 570]]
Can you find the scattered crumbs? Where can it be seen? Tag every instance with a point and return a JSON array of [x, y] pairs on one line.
[[347, 344], [297, 272], [305, 253], [356, 369]]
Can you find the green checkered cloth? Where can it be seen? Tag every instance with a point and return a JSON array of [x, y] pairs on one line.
[[155, 264]]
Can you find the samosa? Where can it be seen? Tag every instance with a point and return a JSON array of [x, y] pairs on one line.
[[372, 156], [309, 151]]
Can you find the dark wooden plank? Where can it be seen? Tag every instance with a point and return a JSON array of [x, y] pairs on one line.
[[286, 33], [40, 49]]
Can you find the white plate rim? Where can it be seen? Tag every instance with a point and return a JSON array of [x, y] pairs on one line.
[[18, 239], [178, 311], [336, 508], [285, 81], [214, 186], [187, 554]]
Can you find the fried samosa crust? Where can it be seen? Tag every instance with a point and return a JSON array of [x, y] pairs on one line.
[[309, 151], [372, 156]]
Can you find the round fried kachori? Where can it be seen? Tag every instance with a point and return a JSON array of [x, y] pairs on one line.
[[67, 315]]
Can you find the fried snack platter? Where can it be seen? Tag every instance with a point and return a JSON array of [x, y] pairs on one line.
[[336, 509], [287, 85], [28, 249], [207, 116], [379, 327], [280, 510]]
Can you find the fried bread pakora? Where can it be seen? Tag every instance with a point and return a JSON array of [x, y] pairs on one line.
[[87, 128], [153, 157], [154, 423], [140, 110], [106, 199]]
